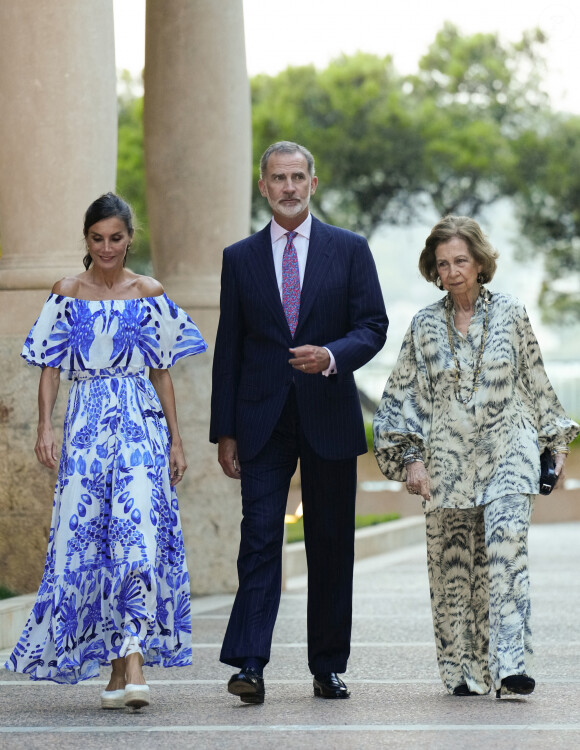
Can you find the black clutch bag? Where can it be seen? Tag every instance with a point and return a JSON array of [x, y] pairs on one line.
[[548, 476]]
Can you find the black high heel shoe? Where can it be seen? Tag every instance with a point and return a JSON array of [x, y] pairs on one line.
[[463, 690], [520, 684]]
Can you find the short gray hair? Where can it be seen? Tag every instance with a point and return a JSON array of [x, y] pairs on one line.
[[286, 147], [466, 229]]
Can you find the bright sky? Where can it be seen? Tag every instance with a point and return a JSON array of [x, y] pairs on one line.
[[316, 31]]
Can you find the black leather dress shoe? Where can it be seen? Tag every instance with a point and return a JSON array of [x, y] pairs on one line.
[[248, 685], [329, 685]]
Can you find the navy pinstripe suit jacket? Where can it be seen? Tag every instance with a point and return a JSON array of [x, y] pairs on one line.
[[341, 307]]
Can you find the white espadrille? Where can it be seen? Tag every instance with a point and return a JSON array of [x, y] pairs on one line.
[[113, 699], [136, 696]]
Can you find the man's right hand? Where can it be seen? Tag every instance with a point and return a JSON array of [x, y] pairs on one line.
[[228, 457]]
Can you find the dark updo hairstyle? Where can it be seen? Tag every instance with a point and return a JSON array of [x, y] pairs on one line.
[[470, 232], [105, 207]]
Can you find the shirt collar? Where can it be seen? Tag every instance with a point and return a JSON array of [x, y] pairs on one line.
[[276, 231]]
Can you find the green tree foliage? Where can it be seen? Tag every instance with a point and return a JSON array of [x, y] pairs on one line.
[[548, 201], [472, 126], [475, 95], [361, 126], [387, 146]]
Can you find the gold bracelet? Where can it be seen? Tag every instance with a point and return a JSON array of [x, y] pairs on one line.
[[560, 449]]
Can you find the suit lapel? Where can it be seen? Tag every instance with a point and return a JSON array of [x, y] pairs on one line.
[[261, 266], [320, 255]]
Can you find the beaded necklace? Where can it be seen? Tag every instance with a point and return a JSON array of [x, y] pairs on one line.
[[477, 369]]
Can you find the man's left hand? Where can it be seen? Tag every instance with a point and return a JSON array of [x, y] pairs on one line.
[[310, 359]]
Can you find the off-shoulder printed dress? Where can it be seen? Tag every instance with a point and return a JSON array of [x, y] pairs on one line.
[[115, 565]]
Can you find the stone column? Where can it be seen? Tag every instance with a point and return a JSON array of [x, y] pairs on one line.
[[58, 143], [198, 164], [58, 131]]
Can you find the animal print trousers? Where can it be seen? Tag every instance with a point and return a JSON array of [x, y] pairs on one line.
[[478, 575]]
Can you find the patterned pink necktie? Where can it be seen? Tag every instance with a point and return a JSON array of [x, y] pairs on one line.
[[290, 283]]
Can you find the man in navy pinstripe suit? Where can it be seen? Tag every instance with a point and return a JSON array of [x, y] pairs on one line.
[[279, 396]]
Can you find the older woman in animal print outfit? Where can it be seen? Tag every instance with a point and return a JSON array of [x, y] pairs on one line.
[[464, 416]]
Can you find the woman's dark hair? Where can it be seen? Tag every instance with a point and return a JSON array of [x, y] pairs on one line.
[[105, 207], [470, 232]]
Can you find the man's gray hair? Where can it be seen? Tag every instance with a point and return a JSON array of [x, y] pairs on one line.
[[286, 147]]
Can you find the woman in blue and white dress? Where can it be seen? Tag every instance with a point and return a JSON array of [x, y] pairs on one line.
[[464, 416], [115, 587]]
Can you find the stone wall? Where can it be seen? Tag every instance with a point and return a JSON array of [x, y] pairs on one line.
[[26, 487]]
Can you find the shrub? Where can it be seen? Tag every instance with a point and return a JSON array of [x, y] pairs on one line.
[[295, 531]]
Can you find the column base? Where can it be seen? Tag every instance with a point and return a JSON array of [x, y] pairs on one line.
[[31, 272]]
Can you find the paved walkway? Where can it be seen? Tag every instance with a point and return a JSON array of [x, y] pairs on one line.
[[397, 698]]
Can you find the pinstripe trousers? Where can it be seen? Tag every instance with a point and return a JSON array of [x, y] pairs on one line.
[[328, 496], [478, 575]]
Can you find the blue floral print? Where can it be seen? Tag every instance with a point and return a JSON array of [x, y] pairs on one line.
[[115, 564]]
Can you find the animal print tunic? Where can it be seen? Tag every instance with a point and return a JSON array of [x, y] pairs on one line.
[[485, 449]]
